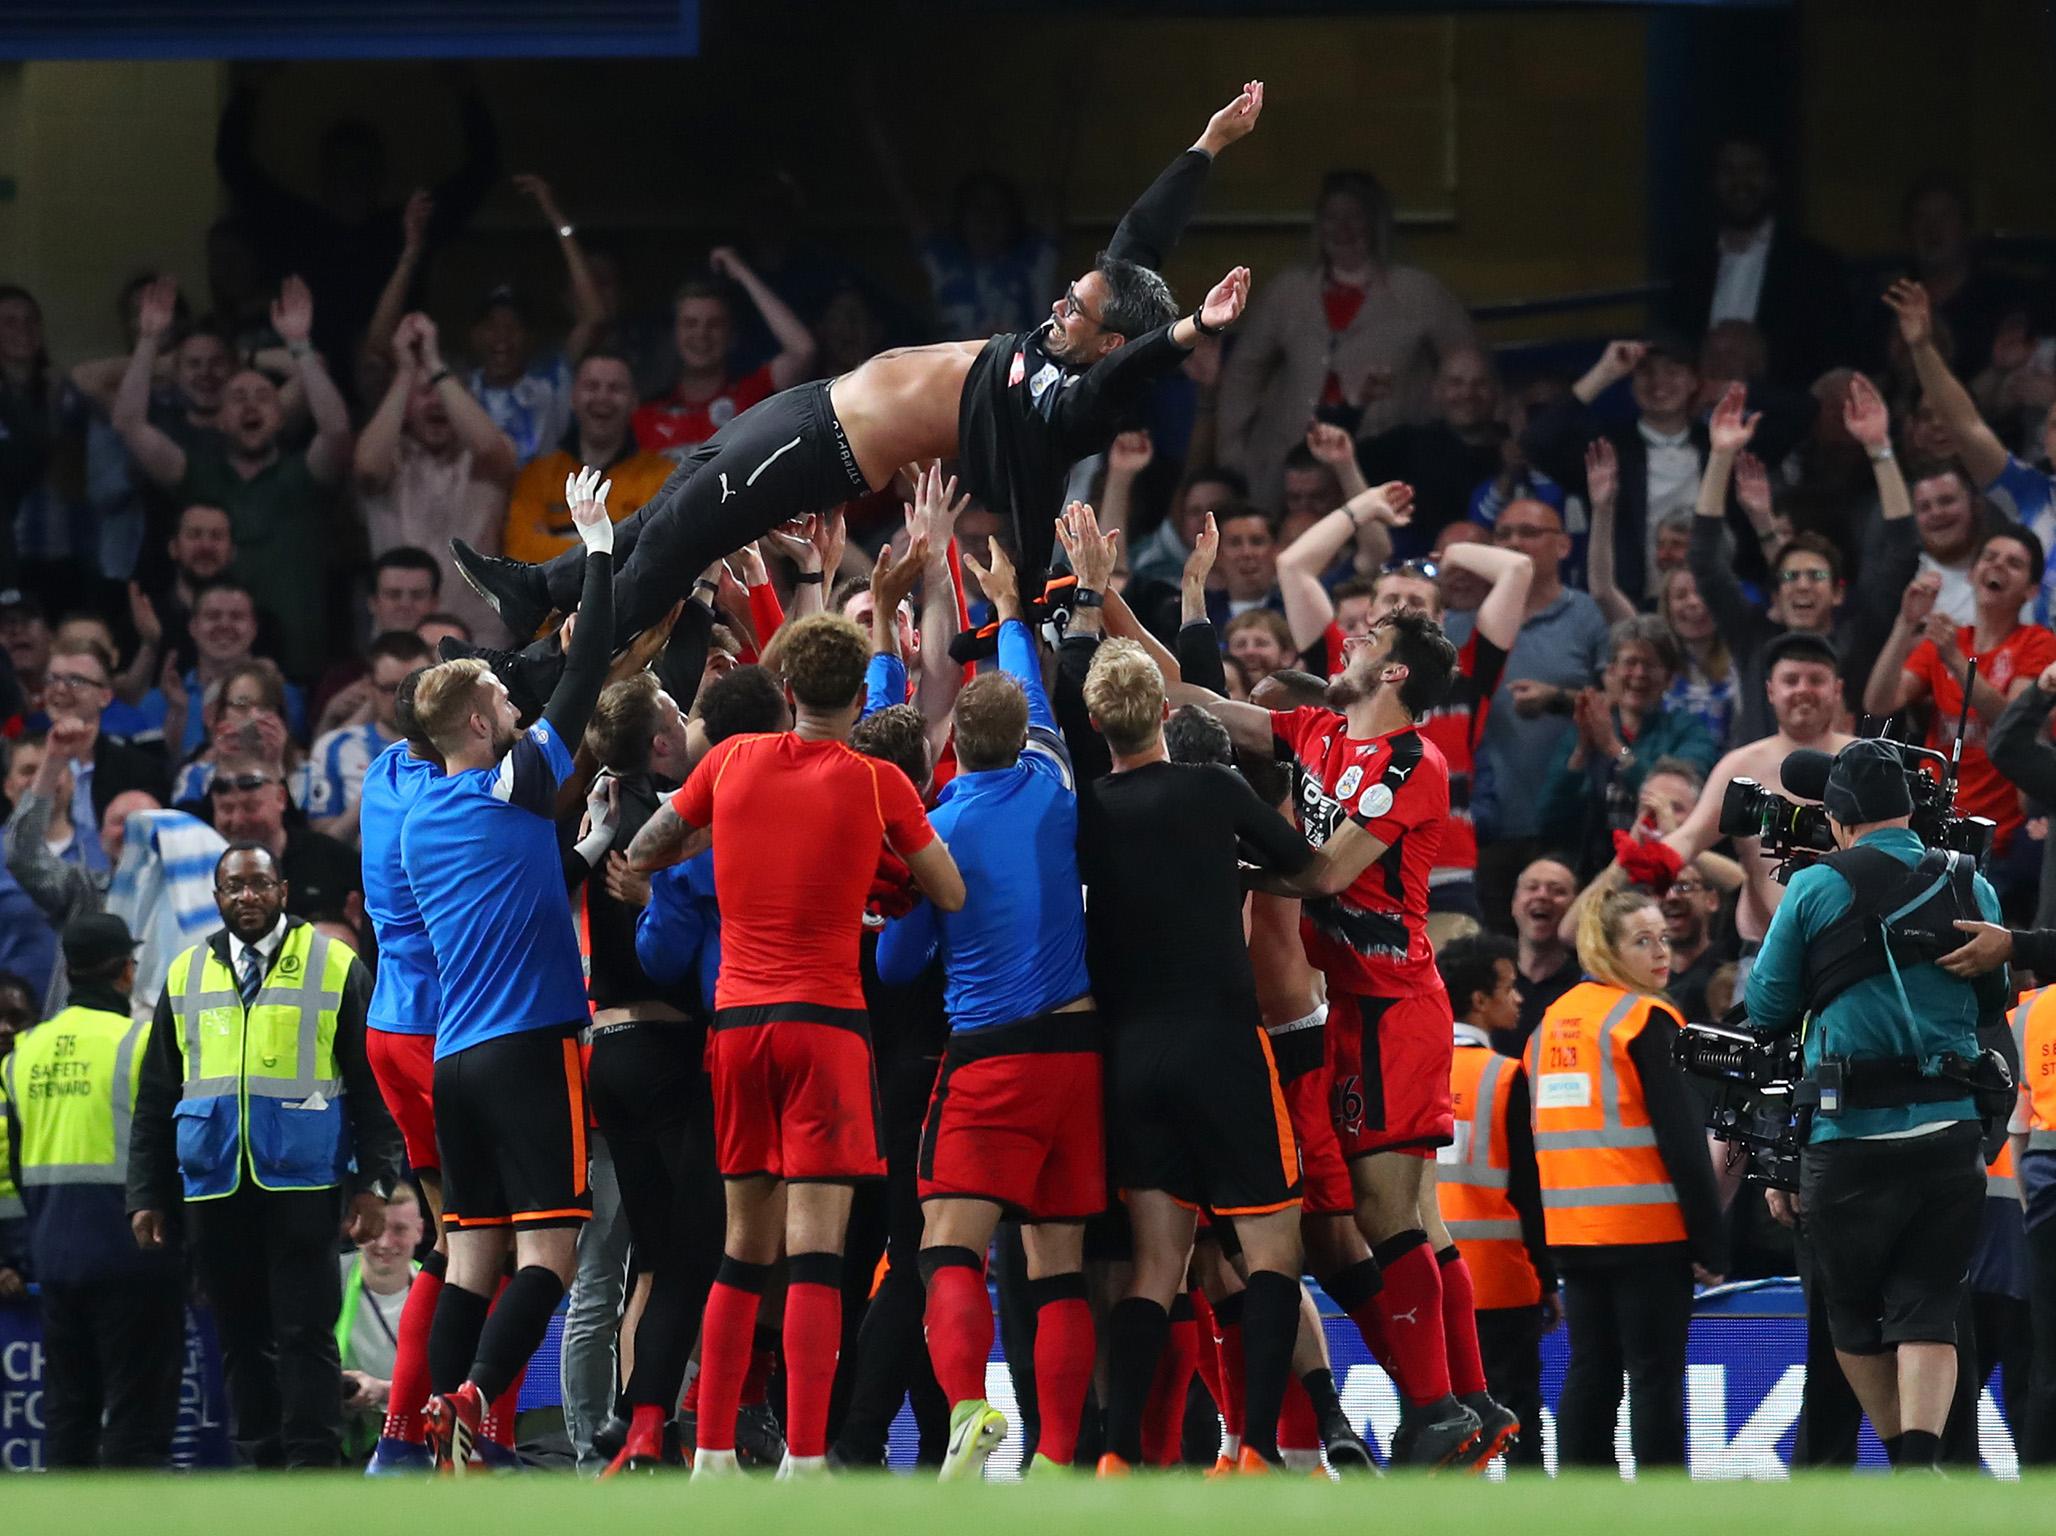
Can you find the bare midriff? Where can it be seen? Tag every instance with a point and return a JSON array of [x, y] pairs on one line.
[[901, 406]]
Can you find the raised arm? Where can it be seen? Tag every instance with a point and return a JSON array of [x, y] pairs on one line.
[[795, 341], [592, 637], [493, 456], [292, 316], [1093, 554], [1511, 574], [1602, 496], [392, 299], [1867, 420], [1983, 454], [1127, 457], [588, 309], [1019, 657], [1308, 607], [162, 459], [931, 523], [1152, 226], [378, 445]]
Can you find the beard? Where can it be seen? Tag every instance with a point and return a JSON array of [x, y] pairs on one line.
[[1344, 691]]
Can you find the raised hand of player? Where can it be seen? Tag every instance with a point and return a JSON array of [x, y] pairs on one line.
[[1864, 414], [1200, 563], [1093, 554], [1732, 425], [1224, 304], [997, 580], [893, 578], [1909, 301], [585, 493], [935, 509], [1234, 120]]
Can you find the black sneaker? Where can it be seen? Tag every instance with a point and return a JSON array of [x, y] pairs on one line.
[[517, 591], [759, 1442], [611, 1436], [1348, 1456], [1498, 1424], [1435, 1436]]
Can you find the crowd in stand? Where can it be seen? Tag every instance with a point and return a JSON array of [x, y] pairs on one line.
[[1813, 491]]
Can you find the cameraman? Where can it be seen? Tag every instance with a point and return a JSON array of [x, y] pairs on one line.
[[1892, 1175]]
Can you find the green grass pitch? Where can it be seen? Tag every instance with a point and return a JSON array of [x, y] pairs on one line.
[[1826, 1504]]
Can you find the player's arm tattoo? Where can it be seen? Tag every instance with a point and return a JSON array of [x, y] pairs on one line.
[[665, 839]]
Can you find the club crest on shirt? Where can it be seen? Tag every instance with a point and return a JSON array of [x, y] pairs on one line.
[[722, 411], [1019, 371], [1045, 376], [1352, 776], [1376, 802]]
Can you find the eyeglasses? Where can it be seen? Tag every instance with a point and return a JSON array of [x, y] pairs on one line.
[[1074, 307], [247, 885], [1423, 570], [1688, 887], [66, 681], [1791, 575], [229, 781]]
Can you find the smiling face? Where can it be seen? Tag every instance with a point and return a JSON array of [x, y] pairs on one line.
[[1466, 390], [1249, 557], [1664, 386], [1945, 515], [202, 367], [1540, 898], [1690, 619], [2003, 575], [1688, 908], [224, 625], [500, 342], [1076, 331], [1802, 696], [1636, 677], [402, 599], [603, 397], [1806, 591]]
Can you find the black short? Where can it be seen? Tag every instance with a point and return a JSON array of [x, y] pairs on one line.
[[780, 459], [1892, 1226], [1200, 1116], [510, 1125]]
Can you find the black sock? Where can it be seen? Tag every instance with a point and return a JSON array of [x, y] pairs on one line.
[[453, 1336], [1918, 1448], [1137, 1330], [1894, 1447], [515, 1328], [1270, 1327], [1320, 1389]]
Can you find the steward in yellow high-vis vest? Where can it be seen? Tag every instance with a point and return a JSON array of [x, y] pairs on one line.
[[257, 1123], [113, 1316]]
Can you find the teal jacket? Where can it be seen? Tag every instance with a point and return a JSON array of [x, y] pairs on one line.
[[1869, 1020], [1573, 800]]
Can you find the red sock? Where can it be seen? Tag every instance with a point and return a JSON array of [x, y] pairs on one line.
[[1064, 1348], [501, 1412], [645, 1431], [763, 1361], [959, 1326], [409, 1394], [1298, 1429], [1229, 1347], [1460, 1323], [1411, 1305], [724, 1358], [690, 1403], [1163, 1420], [1209, 1346], [813, 1340], [1370, 1323]]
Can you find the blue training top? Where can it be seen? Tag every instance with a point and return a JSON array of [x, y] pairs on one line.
[[407, 997], [481, 852], [1017, 949]]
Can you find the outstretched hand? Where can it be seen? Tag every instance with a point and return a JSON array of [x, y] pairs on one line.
[[1909, 301], [1732, 425], [292, 312], [935, 508], [1224, 304], [1205, 545], [892, 580], [1234, 120], [998, 580], [1092, 554], [585, 493]]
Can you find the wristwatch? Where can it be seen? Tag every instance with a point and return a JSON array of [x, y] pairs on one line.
[[1880, 455], [1085, 597], [1199, 324], [566, 231], [810, 578]]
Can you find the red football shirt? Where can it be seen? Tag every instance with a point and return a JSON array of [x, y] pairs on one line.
[[1371, 940], [798, 827], [1981, 790], [674, 427], [1455, 726]]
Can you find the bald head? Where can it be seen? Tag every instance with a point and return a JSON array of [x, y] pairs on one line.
[[1541, 896], [1467, 392], [1535, 528]]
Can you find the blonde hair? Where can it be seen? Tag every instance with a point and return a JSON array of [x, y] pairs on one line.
[[1124, 693], [1599, 933], [445, 697]]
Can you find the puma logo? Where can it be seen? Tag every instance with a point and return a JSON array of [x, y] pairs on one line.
[[1411, 1315], [725, 491]]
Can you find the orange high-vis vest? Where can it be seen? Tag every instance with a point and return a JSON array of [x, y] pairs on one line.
[[1604, 1181], [1471, 1181], [2034, 1030]]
